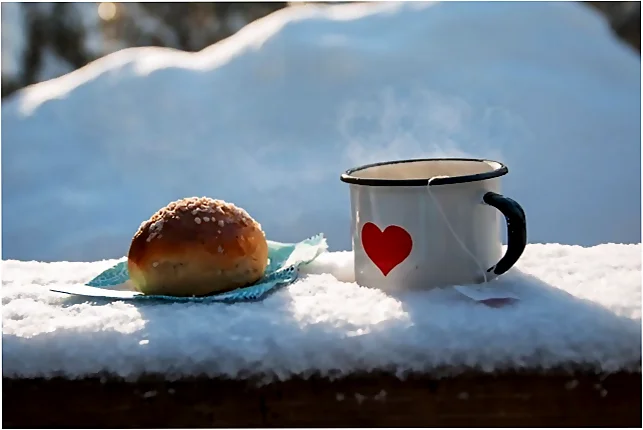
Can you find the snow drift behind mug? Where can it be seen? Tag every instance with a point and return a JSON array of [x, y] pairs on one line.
[[419, 224]]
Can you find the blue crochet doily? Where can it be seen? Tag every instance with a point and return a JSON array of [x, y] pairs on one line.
[[284, 260]]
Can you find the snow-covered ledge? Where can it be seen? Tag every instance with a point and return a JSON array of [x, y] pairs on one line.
[[579, 308], [569, 352]]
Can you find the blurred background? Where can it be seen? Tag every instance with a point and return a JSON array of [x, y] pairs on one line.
[[41, 41]]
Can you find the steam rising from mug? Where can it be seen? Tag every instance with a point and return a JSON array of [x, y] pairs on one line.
[[421, 123]]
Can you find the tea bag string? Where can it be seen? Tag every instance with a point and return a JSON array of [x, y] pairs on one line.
[[446, 220]]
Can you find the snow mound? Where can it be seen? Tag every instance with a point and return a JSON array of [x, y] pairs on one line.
[[270, 117], [579, 307]]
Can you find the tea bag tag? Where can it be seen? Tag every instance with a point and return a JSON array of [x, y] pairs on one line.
[[486, 294]]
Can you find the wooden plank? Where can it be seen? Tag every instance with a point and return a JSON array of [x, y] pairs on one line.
[[367, 400]]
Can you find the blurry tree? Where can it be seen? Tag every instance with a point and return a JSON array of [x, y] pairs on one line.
[[625, 19], [41, 41], [60, 37]]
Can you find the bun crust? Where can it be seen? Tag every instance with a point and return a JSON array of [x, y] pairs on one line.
[[195, 247]]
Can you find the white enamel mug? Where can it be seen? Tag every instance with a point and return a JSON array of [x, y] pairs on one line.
[[420, 224]]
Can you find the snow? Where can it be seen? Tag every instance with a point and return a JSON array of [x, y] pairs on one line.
[[579, 306], [270, 117]]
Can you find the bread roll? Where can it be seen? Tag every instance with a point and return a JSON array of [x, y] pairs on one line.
[[195, 247]]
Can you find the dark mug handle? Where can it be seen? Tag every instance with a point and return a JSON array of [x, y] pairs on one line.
[[516, 230]]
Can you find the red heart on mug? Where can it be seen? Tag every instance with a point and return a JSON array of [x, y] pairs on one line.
[[386, 248]]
